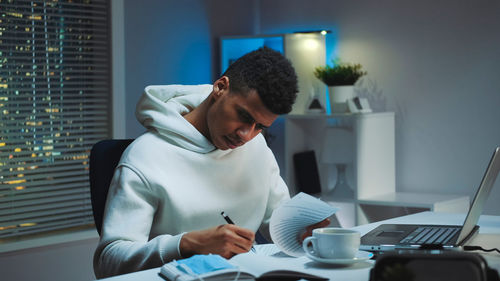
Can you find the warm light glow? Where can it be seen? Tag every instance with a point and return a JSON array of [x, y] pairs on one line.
[[80, 157], [31, 123], [52, 110], [7, 227], [311, 44], [15, 181], [20, 187], [17, 15]]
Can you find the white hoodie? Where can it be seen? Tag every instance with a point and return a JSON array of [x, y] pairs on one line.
[[172, 180]]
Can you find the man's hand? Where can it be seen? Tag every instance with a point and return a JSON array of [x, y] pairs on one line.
[[226, 240], [310, 228]]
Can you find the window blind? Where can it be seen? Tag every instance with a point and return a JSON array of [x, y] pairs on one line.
[[54, 105]]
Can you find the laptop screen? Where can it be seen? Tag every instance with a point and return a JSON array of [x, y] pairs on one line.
[[481, 196]]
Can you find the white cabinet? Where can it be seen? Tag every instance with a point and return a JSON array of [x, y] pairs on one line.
[[372, 172]]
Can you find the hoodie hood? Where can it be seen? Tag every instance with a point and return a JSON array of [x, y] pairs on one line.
[[161, 109]]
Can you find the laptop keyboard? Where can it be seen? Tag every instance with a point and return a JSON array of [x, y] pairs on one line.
[[430, 235]]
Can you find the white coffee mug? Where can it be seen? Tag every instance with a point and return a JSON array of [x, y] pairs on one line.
[[332, 243]]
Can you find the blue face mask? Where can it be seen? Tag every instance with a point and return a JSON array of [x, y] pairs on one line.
[[199, 264]]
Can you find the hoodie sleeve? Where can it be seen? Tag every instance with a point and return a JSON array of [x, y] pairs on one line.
[[124, 245]]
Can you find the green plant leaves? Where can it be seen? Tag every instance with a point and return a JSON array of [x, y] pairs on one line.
[[341, 74]]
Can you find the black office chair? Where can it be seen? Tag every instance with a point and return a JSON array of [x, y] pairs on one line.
[[104, 158]]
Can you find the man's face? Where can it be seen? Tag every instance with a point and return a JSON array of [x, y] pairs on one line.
[[234, 119]]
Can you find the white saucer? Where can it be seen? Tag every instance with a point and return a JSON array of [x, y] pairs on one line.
[[360, 256]]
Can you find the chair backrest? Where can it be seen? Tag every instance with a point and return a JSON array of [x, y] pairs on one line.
[[104, 158]]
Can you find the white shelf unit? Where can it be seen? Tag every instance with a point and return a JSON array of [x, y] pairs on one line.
[[372, 172]]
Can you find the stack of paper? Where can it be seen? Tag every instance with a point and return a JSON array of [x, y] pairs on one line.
[[290, 219]]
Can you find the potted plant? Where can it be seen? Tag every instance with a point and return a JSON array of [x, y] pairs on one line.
[[340, 80]]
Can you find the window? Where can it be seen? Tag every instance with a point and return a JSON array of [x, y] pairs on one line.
[[54, 105]]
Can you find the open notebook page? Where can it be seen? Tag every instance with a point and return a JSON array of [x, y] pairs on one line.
[[291, 218], [274, 268]]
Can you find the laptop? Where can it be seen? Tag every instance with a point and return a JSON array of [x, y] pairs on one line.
[[388, 237]]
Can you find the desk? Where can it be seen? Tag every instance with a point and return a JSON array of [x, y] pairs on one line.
[[488, 237]]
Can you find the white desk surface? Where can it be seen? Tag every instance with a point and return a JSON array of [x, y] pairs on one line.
[[488, 237]]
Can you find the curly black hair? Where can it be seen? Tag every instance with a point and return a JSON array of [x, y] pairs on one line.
[[270, 74]]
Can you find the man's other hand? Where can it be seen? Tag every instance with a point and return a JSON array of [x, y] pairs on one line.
[[309, 229]]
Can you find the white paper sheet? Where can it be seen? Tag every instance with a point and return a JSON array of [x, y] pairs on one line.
[[290, 219], [266, 249]]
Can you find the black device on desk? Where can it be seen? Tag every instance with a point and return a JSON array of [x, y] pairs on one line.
[[429, 265], [388, 237]]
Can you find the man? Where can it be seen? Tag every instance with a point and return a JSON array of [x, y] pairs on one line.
[[203, 154]]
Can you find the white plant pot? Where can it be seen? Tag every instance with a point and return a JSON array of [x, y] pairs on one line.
[[339, 96]]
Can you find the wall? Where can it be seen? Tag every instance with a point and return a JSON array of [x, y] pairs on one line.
[[435, 63], [58, 262], [176, 42]]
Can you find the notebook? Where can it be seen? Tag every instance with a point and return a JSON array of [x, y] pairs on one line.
[[387, 237], [246, 266]]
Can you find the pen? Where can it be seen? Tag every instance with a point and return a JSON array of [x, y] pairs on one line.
[[229, 221]]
